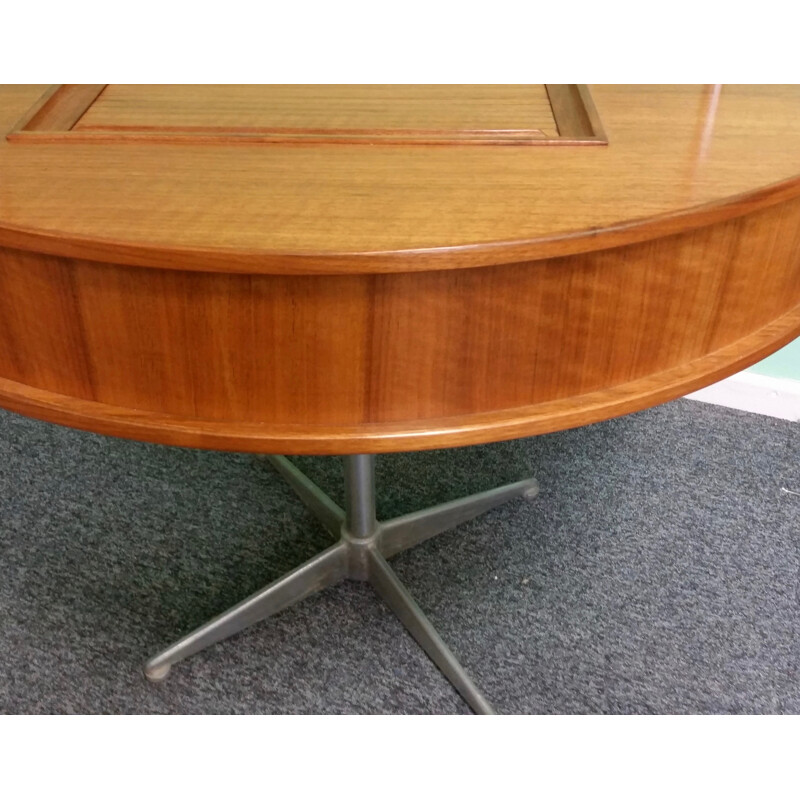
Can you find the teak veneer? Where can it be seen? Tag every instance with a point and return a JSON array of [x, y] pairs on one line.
[[336, 298], [354, 270]]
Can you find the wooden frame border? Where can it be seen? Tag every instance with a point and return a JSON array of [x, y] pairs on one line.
[[58, 110], [53, 117], [575, 113]]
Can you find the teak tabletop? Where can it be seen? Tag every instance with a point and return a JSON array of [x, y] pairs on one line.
[[345, 269]]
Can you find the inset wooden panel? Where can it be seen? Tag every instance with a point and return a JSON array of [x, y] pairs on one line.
[[324, 114]]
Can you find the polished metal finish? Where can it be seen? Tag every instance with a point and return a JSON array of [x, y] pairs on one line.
[[402, 533], [324, 509], [359, 496], [397, 597], [326, 569], [360, 554]]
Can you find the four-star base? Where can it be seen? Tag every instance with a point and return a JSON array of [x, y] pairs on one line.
[[361, 553]]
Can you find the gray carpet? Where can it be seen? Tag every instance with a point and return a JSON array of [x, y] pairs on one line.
[[657, 572]]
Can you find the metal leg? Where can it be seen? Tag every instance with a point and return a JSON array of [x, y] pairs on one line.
[[326, 569], [364, 544], [321, 506], [396, 596], [400, 533]]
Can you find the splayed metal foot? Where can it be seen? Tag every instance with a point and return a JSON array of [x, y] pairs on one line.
[[326, 569], [397, 597]]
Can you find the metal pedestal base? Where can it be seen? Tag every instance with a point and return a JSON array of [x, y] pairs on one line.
[[360, 553]]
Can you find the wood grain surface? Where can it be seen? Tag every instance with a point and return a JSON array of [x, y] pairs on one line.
[[445, 107], [517, 115], [676, 159], [199, 339], [60, 109], [249, 114]]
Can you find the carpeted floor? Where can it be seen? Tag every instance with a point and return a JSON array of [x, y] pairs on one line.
[[657, 572]]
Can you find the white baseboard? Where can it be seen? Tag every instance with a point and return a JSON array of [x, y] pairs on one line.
[[750, 391]]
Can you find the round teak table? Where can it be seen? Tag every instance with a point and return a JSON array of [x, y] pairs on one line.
[[351, 270]]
